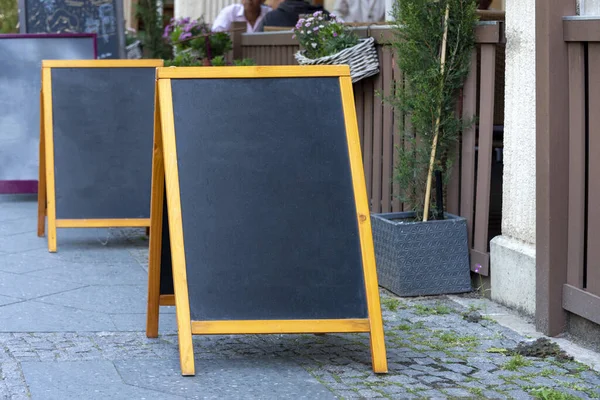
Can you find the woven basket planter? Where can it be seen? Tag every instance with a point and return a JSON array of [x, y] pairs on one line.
[[134, 50], [362, 59], [421, 258]]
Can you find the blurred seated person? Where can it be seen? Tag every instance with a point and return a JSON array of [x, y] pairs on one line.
[[360, 10], [252, 12], [287, 12]]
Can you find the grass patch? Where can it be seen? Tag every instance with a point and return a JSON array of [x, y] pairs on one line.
[[496, 350], [476, 391], [438, 309], [391, 303], [516, 362], [452, 339], [404, 327], [551, 394]]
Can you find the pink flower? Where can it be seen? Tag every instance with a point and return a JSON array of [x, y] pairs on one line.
[[335, 34]]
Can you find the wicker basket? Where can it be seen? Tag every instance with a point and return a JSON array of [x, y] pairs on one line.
[[361, 58], [134, 50]]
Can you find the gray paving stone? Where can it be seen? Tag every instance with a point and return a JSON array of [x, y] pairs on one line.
[[8, 300], [95, 274], [432, 394], [401, 380], [519, 395], [543, 381], [114, 299], [83, 380], [483, 366], [23, 287], [22, 263], [167, 322], [33, 316], [225, 378], [20, 242], [458, 368], [488, 379], [493, 395], [453, 376], [18, 226], [590, 377], [455, 392]]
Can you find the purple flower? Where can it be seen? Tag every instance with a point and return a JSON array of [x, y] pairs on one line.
[[316, 14], [184, 36], [293, 36], [167, 31], [316, 28], [335, 34]]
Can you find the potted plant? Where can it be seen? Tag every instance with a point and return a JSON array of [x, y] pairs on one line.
[[425, 251], [325, 40], [194, 44]]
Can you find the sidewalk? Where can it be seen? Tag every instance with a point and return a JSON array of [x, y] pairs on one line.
[[72, 326]]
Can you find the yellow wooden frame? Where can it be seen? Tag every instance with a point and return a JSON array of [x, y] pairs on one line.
[[46, 179], [165, 171]]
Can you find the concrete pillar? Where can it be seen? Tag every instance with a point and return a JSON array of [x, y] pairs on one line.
[[589, 7], [513, 253]]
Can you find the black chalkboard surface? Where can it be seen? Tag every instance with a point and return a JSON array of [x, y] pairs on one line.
[[20, 64], [102, 17], [98, 146], [267, 203]]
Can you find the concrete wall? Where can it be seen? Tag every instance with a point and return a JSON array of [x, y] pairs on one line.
[[513, 253]]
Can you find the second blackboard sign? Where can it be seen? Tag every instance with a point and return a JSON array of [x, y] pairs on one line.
[[102, 17], [96, 144], [266, 206]]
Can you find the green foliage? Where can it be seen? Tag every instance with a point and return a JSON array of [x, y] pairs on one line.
[[438, 309], [551, 394], [194, 44], [154, 44], [322, 35], [391, 303], [516, 362], [426, 92], [9, 16]]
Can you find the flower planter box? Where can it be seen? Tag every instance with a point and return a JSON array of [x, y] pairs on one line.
[[362, 59], [421, 258]]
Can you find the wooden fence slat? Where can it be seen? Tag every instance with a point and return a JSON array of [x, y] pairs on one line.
[[480, 255], [396, 132], [576, 246], [593, 245], [368, 129], [377, 139], [388, 132], [360, 107], [452, 201], [467, 196]]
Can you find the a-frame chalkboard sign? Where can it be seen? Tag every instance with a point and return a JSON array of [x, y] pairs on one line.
[[96, 131], [266, 225]]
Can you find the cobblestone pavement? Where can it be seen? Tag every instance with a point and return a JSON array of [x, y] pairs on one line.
[[433, 351]]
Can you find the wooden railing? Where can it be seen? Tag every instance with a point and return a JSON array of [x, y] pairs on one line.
[[379, 125], [581, 292]]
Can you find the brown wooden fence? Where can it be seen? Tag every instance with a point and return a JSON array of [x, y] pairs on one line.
[[581, 293], [471, 184]]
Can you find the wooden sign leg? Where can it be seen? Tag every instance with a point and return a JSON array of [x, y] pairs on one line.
[[49, 157], [41, 227], [182, 302], [156, 224], [378, 353]]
